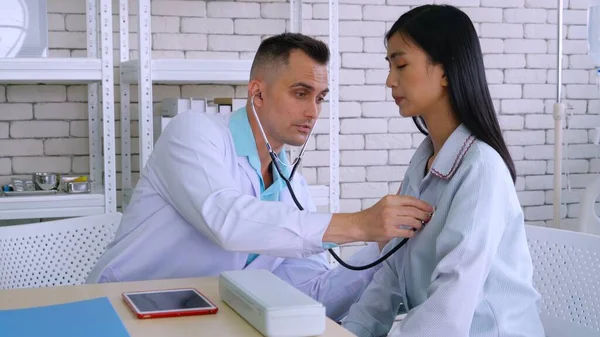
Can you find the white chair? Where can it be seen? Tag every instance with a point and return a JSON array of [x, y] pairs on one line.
[[588, 221], [567, 275], [54, 253]]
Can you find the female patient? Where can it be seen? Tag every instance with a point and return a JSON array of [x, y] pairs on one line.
[[468, 272]]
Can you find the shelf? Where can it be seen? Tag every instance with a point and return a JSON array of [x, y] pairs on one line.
[[50, 70], [191, 71], [53, 206]]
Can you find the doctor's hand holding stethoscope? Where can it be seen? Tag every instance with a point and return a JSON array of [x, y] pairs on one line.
[[392, 216]]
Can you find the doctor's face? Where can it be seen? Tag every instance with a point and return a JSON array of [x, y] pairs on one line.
[[292, 99]]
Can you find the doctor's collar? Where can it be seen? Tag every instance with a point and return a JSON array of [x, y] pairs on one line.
[[244, 142]]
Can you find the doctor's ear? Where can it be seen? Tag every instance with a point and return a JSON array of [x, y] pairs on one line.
[[255, 91], [256, 98]]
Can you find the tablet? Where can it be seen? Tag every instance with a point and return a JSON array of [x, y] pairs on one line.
[[169, 303]]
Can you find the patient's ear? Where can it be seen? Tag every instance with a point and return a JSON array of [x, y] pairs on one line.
[[444, 79]]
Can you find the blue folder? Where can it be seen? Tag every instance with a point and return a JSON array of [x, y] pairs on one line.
[[89, 318]]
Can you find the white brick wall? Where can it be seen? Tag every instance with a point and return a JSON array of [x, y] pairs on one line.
[[46, 125]]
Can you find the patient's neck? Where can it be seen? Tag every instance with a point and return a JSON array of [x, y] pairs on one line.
[[440, 126]]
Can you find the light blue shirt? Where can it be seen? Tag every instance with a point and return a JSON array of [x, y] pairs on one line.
[[468, 272], [245, 146]]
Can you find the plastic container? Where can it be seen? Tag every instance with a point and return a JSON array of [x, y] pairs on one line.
[[593, 25], [272, 306]]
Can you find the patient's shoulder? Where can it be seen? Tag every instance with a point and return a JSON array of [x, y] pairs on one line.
[[484, 162]]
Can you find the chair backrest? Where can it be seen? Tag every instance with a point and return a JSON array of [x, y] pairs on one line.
[[54, 253], [587, 220], [567, 275]]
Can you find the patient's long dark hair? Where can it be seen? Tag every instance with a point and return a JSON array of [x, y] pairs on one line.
[[448, 36]]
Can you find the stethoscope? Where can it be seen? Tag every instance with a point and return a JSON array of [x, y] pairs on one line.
[[294, 165]]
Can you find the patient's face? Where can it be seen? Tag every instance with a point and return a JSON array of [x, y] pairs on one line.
[[293, 99], [417, 85]]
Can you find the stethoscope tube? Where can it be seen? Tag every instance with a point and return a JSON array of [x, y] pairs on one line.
[[288, 183], [331, 251]]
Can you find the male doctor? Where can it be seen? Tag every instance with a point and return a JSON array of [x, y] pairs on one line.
[[209, 199]]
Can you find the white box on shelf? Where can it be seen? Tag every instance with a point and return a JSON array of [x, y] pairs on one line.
[[225, 109], [229, 103], [212, 108], [172, 106], [271, 305]]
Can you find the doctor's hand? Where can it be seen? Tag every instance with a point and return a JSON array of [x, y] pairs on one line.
[[391, 217], [395, 216]]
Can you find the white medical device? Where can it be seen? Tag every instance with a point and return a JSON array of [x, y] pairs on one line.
[[23, 28], [272, 306]]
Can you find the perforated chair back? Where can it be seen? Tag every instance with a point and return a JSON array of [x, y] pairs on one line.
[[587, 220], [54, 253], [567, 275]]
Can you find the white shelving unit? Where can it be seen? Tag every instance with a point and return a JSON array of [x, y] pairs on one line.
[[145, 72], [97, 71]]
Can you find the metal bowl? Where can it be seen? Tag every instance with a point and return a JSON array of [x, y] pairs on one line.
[[78, 187], [46, 181]]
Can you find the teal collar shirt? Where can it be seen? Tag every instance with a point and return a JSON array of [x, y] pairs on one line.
[[245, 146]]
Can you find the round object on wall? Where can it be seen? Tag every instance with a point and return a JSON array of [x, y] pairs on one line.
[[13, 27]]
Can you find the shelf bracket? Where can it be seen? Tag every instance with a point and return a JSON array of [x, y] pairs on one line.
[[94, 117], [108, 107], [145, 81], [125, 105]]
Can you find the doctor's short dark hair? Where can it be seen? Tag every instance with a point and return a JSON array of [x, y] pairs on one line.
[[275, 50]]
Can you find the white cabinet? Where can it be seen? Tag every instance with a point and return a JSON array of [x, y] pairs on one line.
[[97, 71]]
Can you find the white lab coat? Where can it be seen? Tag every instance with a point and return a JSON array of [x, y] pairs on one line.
[[195, 212]]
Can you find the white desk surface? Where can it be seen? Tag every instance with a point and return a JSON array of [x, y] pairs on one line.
[[226, 323]]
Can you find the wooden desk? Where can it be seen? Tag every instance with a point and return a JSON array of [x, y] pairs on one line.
[[226, 323]]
